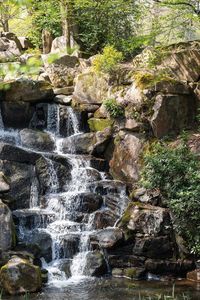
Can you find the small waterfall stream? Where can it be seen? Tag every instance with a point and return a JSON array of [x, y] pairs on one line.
[[57, 214]]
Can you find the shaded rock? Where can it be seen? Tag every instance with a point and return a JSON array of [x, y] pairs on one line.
[[87, 202], [43, 242], [27, 90], [7, 234], [131, 273], [16, 154], [25, 43], [20, 178], [62, 71], [179, 267], [4, 184], [103, 218], [37, 140], [153, 247], [90, 88], [152, 197], [125, 259], [17, 114], [125, 161], [172, 113], [84, 107], [194, 275], [67, 91], [108, 237], [95, 264], [8, 49], [71, 245], [20, 276]]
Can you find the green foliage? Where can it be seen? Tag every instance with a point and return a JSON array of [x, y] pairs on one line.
[[108, 61], [175, 171], [114, 109]]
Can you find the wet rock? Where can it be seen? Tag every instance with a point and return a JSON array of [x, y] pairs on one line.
[[62, 71], [43, 241], [153, 247], [125, 161], [131, 273], [4, 184], [87, 202], [106, 187], [108, 237], [71, 245], [149, 220], [7, 233], [103, 218], [80, 144], [52, 175], [37, 140], [125, 260], [90, 88], [194, 275], [172, 113], [179, 267], [95, 264], [20, 276], [17, 114], [27, 90]]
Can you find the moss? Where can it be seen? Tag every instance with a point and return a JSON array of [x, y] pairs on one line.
[[148, 80], [99, 124], [130, 272]]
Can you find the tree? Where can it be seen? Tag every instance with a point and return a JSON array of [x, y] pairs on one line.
[[8, 11]]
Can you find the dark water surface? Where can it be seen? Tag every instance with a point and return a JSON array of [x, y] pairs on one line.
[[114, 289]]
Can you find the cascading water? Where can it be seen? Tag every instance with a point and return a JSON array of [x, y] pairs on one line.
[[56, 214]]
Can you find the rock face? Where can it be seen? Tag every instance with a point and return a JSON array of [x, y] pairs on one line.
[[90, 88], [4, 185], [20, 276], [124, 164], [8, 48], [62, 71], [108, 238], [95, 264], [28, 90], [6, 228]]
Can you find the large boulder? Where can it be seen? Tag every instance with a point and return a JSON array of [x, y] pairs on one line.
[[25, 43], [90, 88], [172, 113], [62, 71], [125, 161], [8, 49], [7, 234], [20, 276], [27, 90], [108, 237], [87, 202], [4, 183], [38, 140]]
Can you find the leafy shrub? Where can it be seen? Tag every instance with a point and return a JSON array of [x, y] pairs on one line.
[[114, 109], [107, 62], [175, 171]]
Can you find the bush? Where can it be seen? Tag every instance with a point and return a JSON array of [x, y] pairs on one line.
[[115, 110], [108, 61], [175, 171]]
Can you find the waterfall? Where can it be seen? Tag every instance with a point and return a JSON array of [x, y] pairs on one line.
[[57, 214]]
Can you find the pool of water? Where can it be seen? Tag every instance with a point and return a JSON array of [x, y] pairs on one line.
[[114, 289]]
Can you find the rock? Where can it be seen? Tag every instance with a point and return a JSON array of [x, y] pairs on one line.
[[148, 220], [47, 179], [43, 241], [71, 245], [20, 276], [175, 267], [16, 154], [131, 273], [63, 99], [108, 237], [145, 196], [90, 88], [8, 49], [38, 140], [62, 70], [95, 264], [194, 275], [47, 40], [7, 234], [103, 218], [28, 90], [132, 125], [43, 77], [125, 161], [17, 114], [67, 91], [87, 202], [153, 247], [20, 176], [80, 144], [84, 107], [25, 43], [101, 112], [99, 124], [4, 184], [172, 113]]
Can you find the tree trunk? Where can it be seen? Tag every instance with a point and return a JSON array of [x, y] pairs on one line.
[[5, 25], [47, 40]]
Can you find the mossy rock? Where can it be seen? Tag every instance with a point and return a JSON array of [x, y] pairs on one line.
[[99, 124]]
